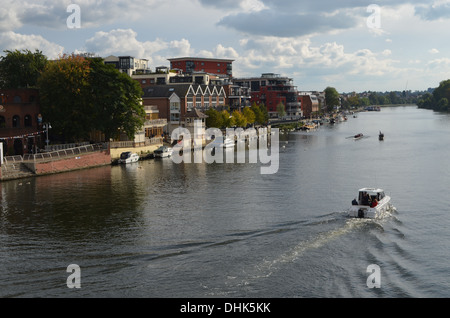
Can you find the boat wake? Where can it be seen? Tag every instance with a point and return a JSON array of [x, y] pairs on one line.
[[345, 226]]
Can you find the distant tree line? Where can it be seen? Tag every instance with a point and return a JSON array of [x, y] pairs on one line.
[[381, 98], [438, 100]]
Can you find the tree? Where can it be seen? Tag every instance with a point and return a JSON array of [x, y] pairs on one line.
[[239, 119], [259, 116], [226, 119], [393, 98], [116, 100], [443, 91], [265, 114], [331, 98], [249, 115], [80, 95], [214, 119], [281, 110], [21, 69], [64, 91], [442, 105]]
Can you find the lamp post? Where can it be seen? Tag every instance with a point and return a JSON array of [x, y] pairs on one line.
[[47, 126]]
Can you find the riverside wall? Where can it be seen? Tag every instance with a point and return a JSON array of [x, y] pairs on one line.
[[82, 161]]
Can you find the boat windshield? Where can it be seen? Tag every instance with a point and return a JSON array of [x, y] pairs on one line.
[[125, 155]]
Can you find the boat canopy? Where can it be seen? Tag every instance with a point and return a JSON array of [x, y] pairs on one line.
[[125, 155], [374, 193]]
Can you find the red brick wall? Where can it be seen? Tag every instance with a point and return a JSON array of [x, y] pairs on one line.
[[19, 102], [74, 163], [162, 104], [214, 67]]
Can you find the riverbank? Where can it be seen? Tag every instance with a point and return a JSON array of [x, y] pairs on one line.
[[64, 160]]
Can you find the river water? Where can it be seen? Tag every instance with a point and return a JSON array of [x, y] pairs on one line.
[[161, 229]]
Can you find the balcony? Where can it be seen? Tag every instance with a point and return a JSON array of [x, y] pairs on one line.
[[161, 122]]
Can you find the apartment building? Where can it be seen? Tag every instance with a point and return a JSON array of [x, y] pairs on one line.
[[128, 64], [191, 65], [272, 89], [175, 101]]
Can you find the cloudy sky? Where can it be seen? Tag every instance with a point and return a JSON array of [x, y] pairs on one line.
[[376, 45]]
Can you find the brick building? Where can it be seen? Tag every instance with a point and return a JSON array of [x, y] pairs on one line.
[[174, 101], [191, 65], [310, 104], [20, 126], [272, 89]]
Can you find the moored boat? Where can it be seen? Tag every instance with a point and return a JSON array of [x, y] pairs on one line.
[[128, 157], [371, 203], [163, 152]]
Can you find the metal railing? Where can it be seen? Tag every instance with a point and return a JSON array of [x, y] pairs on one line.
[[64, 152], [132, 144]]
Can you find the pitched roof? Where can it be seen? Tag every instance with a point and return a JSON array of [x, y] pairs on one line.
[[166, 90], [181, 90], [195, 113]]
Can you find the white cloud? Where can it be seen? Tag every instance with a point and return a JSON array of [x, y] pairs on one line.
[[10, 40], [433, 51], [123, 42]]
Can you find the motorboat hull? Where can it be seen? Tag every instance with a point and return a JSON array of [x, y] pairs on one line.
[[364, 211], [129, 158], [163, 152]]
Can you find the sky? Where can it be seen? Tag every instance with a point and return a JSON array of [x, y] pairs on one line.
[[353, 46]]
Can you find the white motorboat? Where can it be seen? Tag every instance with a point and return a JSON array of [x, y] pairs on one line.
[[371, 203], [163, 152], [128, 157]]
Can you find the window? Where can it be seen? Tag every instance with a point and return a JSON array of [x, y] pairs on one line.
[[17, 99], [175, 106], [174, 117], [16, 121], [2, 122], [27, 121]]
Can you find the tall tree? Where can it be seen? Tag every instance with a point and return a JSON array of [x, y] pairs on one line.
[[21, 69], [64, 91], [80, 95], [116, 100], [331, 98]]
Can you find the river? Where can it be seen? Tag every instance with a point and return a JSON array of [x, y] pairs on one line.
[[161, 229]]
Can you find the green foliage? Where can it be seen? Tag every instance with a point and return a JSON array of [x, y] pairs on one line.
[[80, 95], [439, 100], [214, 119], [281, 110], [239, 119], [21, 69], [249, 115], [331, 98], [116, 100]]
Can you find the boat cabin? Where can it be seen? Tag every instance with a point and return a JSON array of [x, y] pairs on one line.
[[367, 195], [125, 155]]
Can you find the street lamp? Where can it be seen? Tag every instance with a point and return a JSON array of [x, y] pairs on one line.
[[47, 126]]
